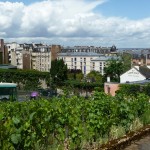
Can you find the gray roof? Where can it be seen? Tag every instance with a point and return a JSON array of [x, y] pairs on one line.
[[80, 54], [5, 66], [105, 58], [145, 71], [138, 82]]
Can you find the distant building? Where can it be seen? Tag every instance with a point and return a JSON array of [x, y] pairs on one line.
[[3, 53], [30, 56], [26, 56], [99, 63], [92, 49], [111, 88], [137, 73], [85, 61], [41, 58], [12, 56], [6, 66], [55, 49], [79, 60]]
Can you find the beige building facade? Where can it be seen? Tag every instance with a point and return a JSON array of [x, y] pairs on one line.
[[79, 60], [41, 60], [86, 61]]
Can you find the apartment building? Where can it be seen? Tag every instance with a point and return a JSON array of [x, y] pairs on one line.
[[41, 58], [30, 56], [99, 63], [26, 56], [55, 49], [3, 53], [15, 54], [86, 61], [12, 56], [80, 60]]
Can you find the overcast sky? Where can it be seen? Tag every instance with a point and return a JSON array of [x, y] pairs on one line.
[[125, 23]]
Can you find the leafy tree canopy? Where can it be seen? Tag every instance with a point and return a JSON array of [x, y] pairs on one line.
[[126, 58], [114, 69], [29, 79], [75, 74], [58, 71], [94, 76]]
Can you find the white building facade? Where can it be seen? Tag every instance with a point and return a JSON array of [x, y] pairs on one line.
[[132, 75], [99, 63], [79, 60], [85, 61]]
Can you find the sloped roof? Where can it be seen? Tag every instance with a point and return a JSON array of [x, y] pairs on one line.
[[5, 66], [80, 54], [105, 58], [145, 71]]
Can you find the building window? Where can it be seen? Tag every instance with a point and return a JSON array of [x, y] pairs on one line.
[[75, 59], [100, 68], [84, 59], [100, 63]]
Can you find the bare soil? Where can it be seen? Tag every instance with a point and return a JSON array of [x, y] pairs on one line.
[[139, 140]]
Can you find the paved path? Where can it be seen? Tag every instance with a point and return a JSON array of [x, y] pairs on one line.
[[142, 144]]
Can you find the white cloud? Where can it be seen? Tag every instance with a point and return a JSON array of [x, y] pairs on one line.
[[70, 21]]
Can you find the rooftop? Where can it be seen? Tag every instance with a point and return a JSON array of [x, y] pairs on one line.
[[80, 54], [2, 84], [105, 58], [145, 71], [139, 82], [5, 66]]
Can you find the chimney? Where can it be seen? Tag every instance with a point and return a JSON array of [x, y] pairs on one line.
[[108, 79]]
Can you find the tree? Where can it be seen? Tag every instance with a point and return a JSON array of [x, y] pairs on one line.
[[94, 76], [75, 74], [26, 79], [58, 72], [114, 69], [126, 58]]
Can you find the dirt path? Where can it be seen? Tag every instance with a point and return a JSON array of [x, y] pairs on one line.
[[142, 144]]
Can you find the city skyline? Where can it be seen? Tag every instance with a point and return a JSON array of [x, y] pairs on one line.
[[77, 22]]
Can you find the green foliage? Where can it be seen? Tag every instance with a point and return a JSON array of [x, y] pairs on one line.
[[126, 58], [117, 132], [75, 74], [58, 72], [29, 79], [114, 69], [134, 89], [90, 86], [146, 89], [47, 124], [129, 89], [146, 117], [94, 76]]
